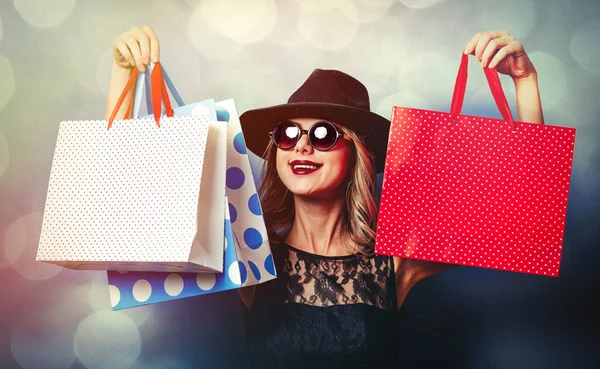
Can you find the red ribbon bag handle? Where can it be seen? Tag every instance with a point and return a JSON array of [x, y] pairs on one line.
[[495, 86]]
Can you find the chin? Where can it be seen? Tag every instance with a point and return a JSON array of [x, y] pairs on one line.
[[326, 192]]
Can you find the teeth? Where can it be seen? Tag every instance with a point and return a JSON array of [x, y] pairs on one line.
[[304, 166]]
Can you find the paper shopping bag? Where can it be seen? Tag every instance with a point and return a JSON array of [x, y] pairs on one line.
[[247, 261], [138, 196], [475, 191]]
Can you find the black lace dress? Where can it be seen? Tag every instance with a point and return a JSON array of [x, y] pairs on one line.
[[324, 312]]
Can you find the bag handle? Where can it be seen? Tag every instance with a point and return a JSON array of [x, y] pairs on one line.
[[495, 86], [159, 95], [144, 83]]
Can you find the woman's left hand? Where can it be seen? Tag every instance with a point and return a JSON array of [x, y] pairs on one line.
[[498, 49]]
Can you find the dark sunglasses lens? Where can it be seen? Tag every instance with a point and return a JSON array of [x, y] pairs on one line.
[[323, 135], [285, 134]]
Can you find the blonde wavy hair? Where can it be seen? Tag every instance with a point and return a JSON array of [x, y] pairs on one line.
[[360, 217]]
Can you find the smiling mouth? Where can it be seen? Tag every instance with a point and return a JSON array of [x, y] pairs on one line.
[[302, 169]]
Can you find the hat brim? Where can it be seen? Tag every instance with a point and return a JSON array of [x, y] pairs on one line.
[[372, 128]]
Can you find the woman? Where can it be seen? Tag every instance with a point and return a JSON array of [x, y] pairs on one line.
[[335, 302]]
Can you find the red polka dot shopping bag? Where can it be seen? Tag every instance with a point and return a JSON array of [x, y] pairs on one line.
[[166, 203], [475, 191]]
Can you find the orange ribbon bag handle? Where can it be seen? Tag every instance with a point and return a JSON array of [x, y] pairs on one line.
[[159, 95]]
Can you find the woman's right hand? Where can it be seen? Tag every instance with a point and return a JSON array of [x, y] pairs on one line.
[[135, 48]]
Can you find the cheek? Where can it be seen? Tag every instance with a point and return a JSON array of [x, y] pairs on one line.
[[281, 162], [342, 165]]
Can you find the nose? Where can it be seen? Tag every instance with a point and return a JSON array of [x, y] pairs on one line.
[[303, 146]]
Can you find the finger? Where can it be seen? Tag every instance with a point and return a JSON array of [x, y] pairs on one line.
[[144, 42], [154, 44], [121, 45], [471, 44], [134, 47], [470, 47], [484, 39], [493, 46], [512, 48]]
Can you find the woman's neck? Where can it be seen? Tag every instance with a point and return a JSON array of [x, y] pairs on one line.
[[318, 225]]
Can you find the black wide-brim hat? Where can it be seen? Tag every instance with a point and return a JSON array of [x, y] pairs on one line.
[[329, 95]]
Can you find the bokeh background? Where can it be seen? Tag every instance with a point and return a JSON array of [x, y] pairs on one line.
[[55, 59]]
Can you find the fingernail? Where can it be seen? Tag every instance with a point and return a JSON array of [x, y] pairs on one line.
[[141, 67], [146, 60], [155, 58]]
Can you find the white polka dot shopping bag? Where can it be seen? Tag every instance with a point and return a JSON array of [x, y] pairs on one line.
[[150, 195], [475, 191]]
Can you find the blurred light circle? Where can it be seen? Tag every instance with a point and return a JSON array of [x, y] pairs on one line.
[[99, 293], [515, 16], [20, 247], [420, 4], [44, 13], [316, 5], [328, 30], [426, 75], [103, 297], [80, 67], [208, 41], [103, 70], [403, 99], [4, 154], [142, 290], [115, 295], [173, 284], [42, 341], [107, 340], [284, 32], [241, 20], [365, 51], [583, 47], [362, 12], [552, 78], [7, 86], [395, 50]]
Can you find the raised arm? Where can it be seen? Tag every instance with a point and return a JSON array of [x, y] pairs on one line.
[[134, 48], [501, 51]]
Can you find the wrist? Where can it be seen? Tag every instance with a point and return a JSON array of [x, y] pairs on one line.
[[530, 79]]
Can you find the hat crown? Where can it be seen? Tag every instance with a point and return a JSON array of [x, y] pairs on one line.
[[332, 87]]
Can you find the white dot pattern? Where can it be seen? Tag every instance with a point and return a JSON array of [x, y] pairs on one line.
[[474, 192], [173, 284], [142, 290], [104, 184]]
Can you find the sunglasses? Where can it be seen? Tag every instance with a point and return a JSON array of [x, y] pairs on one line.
[[322, 135]]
